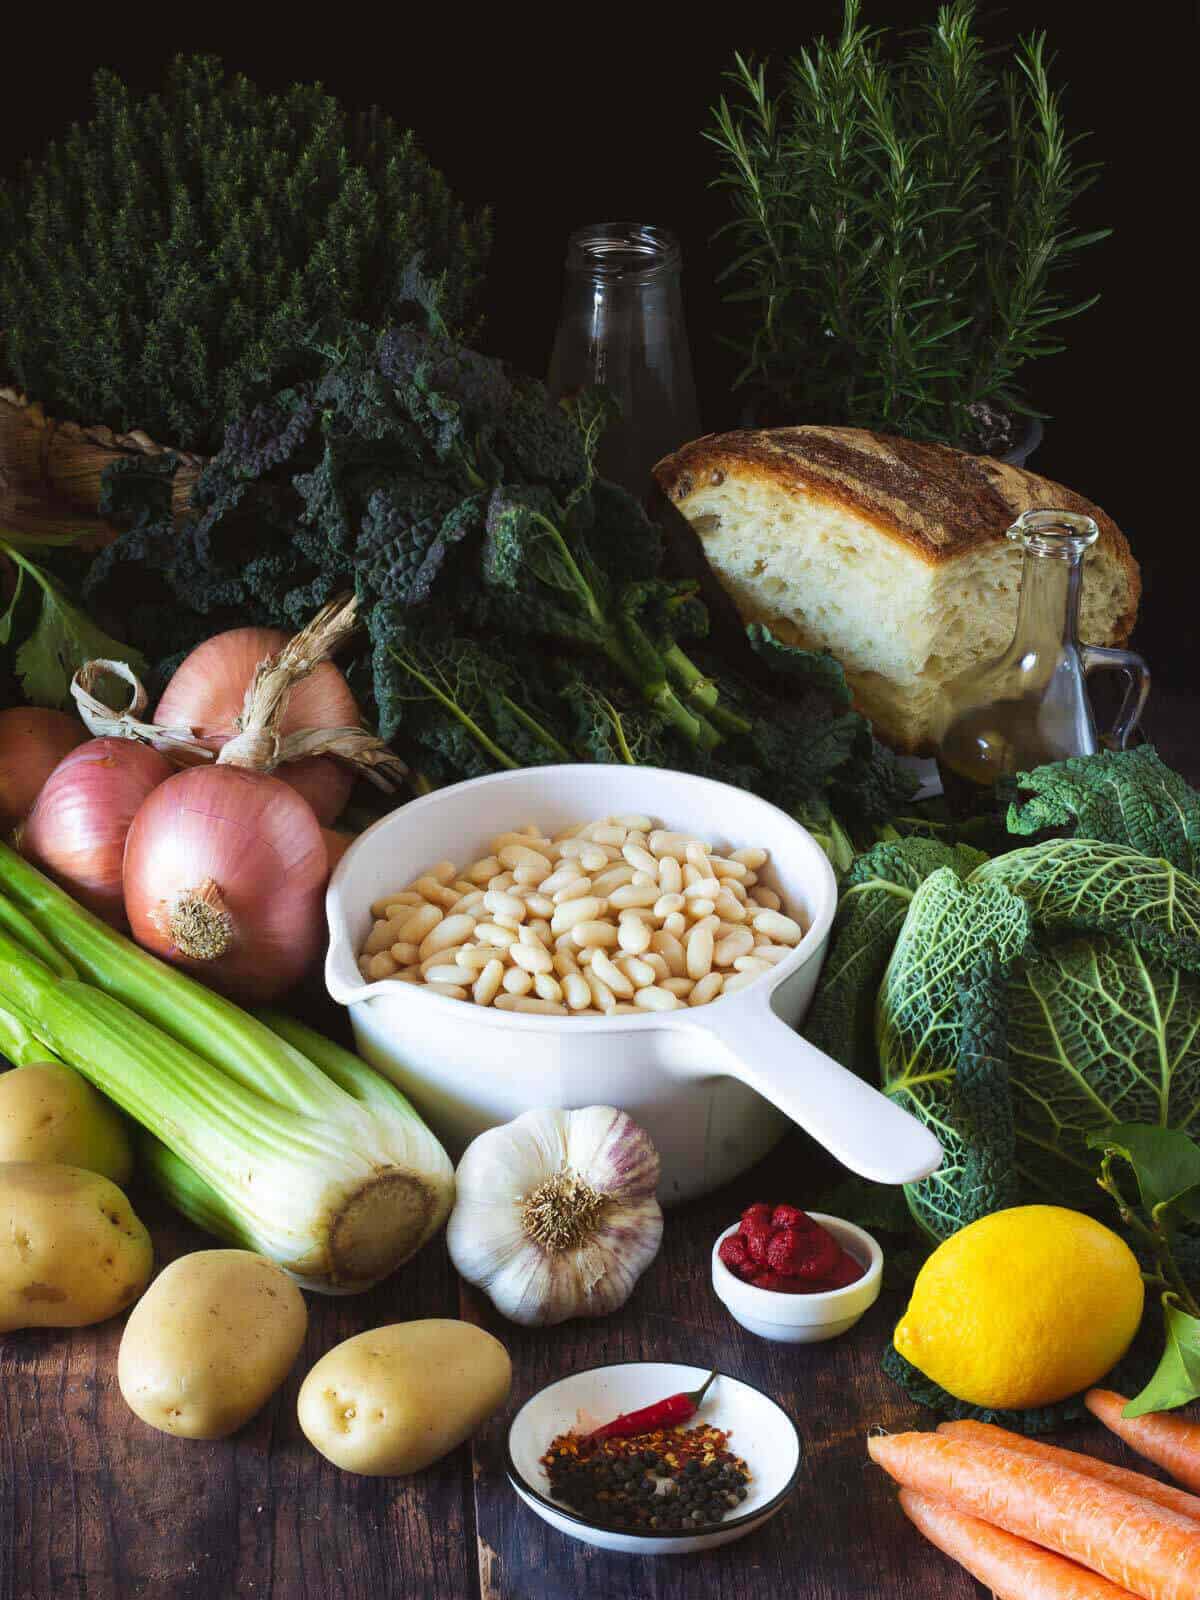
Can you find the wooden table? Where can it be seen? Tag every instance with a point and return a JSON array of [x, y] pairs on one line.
[[96, 1506]]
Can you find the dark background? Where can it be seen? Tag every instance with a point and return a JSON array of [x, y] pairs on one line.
[[581, 115]]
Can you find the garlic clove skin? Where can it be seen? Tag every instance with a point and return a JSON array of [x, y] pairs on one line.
[[555, 1215]]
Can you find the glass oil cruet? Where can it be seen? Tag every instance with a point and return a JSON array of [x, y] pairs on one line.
[[1030, 705]]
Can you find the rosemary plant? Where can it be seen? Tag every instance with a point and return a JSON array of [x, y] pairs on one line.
[[901, 228], [157, 262]]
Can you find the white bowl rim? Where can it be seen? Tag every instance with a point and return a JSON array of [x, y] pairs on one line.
[[746, 1518], [488, 1016], [821, 1298]]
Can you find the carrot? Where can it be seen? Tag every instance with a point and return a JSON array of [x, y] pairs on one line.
[[1134, 1543], [1163, 1494], [1012, 1568], [1170, 1441]]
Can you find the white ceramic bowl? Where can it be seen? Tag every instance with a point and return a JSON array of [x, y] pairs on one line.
[[804, 1318], [761, 1433], [714, 1085]]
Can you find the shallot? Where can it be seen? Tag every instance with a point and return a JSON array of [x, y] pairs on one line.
[[32, 743], [76, 832], [207, 692]]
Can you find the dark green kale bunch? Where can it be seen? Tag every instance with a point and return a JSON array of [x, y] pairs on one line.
[[155, 262], [517, 609]]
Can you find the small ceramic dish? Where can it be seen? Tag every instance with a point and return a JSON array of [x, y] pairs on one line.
[[761, 1432], [803, 1318]]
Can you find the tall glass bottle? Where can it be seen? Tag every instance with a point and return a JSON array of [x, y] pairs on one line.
[[622, 326], [1030, 705]]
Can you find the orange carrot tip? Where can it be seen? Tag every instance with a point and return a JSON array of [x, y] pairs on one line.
[[1173, 1442], [1135, 1544], [1162, 1494], [1014, 1569]]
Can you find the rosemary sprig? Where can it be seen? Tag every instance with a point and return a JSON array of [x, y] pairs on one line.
[[901, 226]]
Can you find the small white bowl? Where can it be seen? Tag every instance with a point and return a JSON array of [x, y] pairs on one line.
[[761, 1432], [803, 1318]]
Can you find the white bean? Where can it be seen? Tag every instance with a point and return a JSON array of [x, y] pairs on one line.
[[381, 937], [665, 843], [727, 950], [612, 878], [640, 973], [533, 957], [520, 1002], [575, 890], [487, 985], [381, 966], [752, 858], [752, 964], [477, 957], [634, 820], [520, 855], [493, 933], [698, 856], [729, 907], [669, 948], [529, 875], [670, 875], [681, 988], [608, 833], [602, 995], [633, 935], [587, 909], [640, 858], [560, 877], [590, 935], [767, 898], [771, 953], [546, 987], [449, 933], [575, 989], [455, 991], [675, 924], [726, 867], [422, 922], [405, 955], [517, 981], [707, 989], [739, 980], [701, 907], [450, 973], [699, 953], [705, 888], [667, 903], [499, 903], [778, 928], [436, 893], [616, 980], [483, 869], [540, 904], [657, 999], [633, 894]]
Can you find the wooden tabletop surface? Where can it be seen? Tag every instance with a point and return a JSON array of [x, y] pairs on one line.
[[94, 1505]]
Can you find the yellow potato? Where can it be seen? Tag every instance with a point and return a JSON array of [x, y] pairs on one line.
[[72, 1252], [210, 1342], [397, 1398], [49, 1112]]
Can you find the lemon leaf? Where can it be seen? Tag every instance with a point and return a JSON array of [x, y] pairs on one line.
[[1177, 1378]]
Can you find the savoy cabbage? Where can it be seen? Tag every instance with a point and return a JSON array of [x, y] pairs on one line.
[[1052, 992]]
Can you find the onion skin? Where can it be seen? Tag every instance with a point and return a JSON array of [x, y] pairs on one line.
[[248, 850], [76, 832], [32, 743], [208, 690]]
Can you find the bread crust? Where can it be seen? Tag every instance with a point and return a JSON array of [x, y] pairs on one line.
[[941, 504]]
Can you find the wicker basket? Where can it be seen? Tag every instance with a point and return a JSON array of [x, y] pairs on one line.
[[50, 471]]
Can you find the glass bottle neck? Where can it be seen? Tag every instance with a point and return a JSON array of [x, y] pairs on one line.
[[1048, 613]]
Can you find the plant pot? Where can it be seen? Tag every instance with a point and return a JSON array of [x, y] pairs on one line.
[[1030, 439], [51, 472]]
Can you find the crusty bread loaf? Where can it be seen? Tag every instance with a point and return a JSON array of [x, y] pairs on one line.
[[890, 553]]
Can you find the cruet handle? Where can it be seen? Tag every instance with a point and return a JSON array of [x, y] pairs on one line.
[[1137, 687]]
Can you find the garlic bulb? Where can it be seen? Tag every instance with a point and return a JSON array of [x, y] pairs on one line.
[[556, 1215]]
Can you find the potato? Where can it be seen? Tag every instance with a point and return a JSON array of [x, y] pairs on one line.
[[49, 1112], [392, 1400], [72, 1251], [210, 1342]]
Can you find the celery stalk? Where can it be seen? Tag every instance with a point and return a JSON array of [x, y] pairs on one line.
[[339, 1194], [19, 1044], [209, 1024]]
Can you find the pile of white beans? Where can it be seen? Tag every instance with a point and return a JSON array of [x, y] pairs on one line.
[[607, 917]]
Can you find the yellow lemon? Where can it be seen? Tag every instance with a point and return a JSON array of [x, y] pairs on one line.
[[1023, 1307]]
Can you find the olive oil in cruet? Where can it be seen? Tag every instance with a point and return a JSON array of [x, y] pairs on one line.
[[1030, 705]]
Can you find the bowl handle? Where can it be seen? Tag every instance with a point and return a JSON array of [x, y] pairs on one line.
[[866, 1131]]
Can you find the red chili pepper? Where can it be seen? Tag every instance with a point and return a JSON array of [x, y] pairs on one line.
[[666, 1413]]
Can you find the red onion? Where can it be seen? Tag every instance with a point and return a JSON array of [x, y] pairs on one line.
[[225, 873], [32, 743], [336, 844], [76, 831], [208, 690]]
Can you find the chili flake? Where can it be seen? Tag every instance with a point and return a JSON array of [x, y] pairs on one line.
[[666, 1480]]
